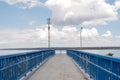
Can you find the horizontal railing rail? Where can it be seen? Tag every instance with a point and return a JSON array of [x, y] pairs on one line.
[[97, 66], [15, 66]]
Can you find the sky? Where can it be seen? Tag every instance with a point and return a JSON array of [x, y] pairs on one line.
[[23, 23]]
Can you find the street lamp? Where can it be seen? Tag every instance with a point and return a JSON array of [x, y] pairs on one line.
[[81, 36], [49, 22]]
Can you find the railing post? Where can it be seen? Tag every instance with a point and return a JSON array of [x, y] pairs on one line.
[[111, 68], [16, 68], [0, 69], [42, 57]]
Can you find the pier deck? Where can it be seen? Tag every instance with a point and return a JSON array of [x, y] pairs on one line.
[[59, 67]]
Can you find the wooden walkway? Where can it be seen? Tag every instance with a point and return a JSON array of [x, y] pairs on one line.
[[59, 67]]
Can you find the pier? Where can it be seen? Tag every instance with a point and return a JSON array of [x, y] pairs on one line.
[[48, 65]]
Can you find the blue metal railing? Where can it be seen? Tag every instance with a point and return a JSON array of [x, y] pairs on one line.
[[97, 66], [13, 67]]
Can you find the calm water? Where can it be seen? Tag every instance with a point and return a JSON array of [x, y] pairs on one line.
[[104, 52], [7, 52], [100, 52]]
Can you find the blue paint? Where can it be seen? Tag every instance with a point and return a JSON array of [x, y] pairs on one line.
[[13, 67], [97, 66]]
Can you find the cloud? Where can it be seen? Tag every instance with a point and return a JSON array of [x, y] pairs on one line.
[[108, 34], [24, 4], [66, 37], [117, 4], [85, 12], [31, 23], [90, 33], [117, 37]]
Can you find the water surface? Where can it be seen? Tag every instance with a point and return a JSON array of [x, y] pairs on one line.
[[116, 53], [8, 52]]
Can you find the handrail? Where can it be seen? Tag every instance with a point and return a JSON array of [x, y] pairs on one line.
[[97, 66], [15, 66]]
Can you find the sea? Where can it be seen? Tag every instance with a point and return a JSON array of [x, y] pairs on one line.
[[9, 52], [116, 53]]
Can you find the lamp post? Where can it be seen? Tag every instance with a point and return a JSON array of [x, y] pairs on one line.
[[81, 36], [49, 22]]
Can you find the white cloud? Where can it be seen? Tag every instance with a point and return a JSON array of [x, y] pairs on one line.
[[90, 33], [67, 36], [108, 34], [75, 12], [117, 4], [31, 23], [24, 3], [117, 37]]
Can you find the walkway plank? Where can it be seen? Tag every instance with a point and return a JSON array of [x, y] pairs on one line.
[[59, 67]]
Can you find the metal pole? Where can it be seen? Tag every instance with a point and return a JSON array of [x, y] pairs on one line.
[[81, 36], [48, 36], [48, 22]]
